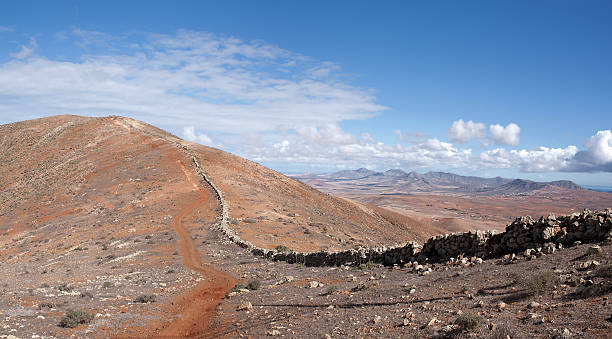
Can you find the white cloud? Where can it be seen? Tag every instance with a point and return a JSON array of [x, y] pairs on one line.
[[462, 132], [597, 157], [329, 146], [190, 134], [211, 82], [328, 134], [7, 29], [25, 51], [508, 135], [541, 159]]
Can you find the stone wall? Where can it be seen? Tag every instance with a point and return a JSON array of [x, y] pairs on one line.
[[525, 233], [522, 234], [440, 247]]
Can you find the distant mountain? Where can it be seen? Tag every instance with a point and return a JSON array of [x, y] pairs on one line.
[[352, 174], [525, 186], [396, 181]]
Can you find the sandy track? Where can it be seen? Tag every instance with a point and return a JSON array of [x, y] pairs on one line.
[[197, 306]]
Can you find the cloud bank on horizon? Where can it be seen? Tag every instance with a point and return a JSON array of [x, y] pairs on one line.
[[255, 99]]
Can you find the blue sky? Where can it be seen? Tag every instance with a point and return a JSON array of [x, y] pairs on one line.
[[518, 89]]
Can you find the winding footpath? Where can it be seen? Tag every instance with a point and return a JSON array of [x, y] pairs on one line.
[[197, 306]]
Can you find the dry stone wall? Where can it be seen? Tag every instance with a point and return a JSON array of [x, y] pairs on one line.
[[522, 234]]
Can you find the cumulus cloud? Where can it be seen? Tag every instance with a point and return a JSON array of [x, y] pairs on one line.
[[331, 146], [508, 135], [541, 159], [462, 132], [190, 134], [597, 157], [212, 82]]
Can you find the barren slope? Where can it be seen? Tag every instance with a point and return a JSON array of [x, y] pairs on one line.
[[270, 209], [92, 206], [113, 207]]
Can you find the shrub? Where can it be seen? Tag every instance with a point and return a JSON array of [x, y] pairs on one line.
[[46, 305], [65, 288], [540, 282], [468, 322], [331, 290], [360, 287], [367, 265], [253, 285], [107, 284], [73, 318], [86, 294], [146, 298]]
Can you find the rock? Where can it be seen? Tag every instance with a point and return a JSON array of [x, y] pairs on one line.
[[273, 333], [549, 248], [376, 320], [501, 306], [315, 284], [593, 250], [249, 220], [566, 333], [432, 322], [289, 278], [245, 306], [406, 322], [533, 304]]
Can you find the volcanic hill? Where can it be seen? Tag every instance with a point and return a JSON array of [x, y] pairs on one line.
[[112, 228]]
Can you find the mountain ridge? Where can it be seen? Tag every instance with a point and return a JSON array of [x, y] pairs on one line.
[[411, 182]]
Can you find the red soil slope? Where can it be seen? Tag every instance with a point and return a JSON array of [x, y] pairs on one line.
[[85, 201]]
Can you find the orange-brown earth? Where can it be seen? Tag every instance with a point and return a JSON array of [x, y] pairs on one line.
[[92, 202], [97, 212]]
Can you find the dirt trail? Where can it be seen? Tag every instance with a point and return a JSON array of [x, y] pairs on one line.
[[197, 306]]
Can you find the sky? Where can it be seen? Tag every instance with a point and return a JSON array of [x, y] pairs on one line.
[[515, 89]]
